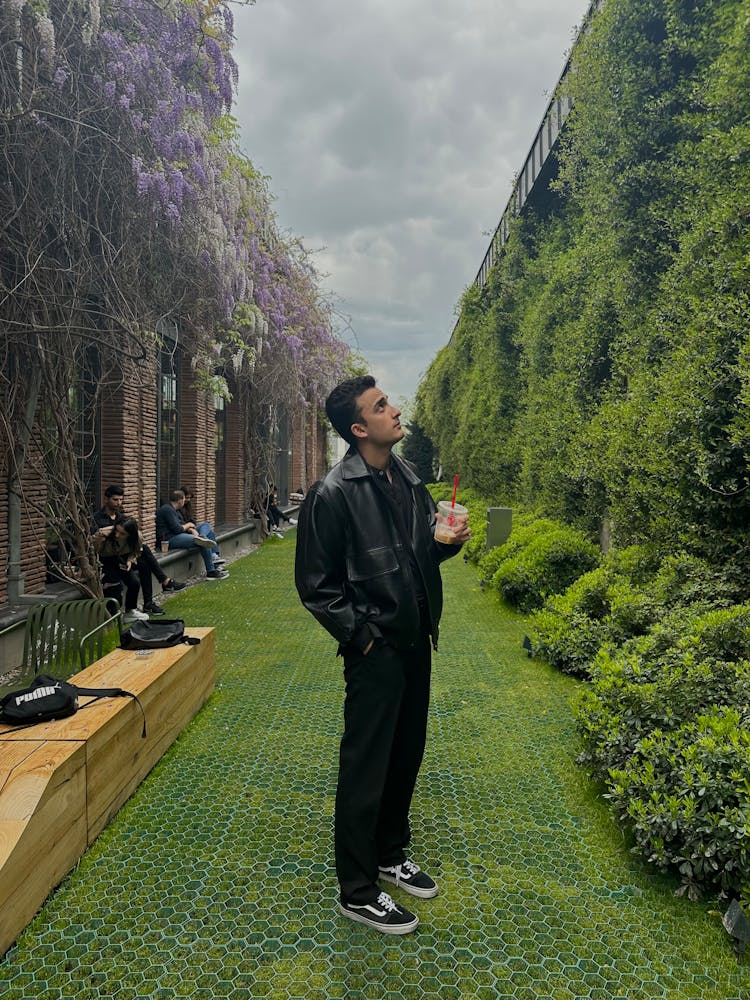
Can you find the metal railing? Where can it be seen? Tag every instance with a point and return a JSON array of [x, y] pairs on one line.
[[544, 143]]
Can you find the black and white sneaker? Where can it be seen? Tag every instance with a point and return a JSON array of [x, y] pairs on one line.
[[202, 542], [382, 914], [411, 878]]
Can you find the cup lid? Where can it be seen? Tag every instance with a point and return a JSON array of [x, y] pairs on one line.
[[444, 506]]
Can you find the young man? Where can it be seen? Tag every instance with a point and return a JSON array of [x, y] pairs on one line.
[[367, 567], [111, 513], [169, 525], [203, 528]]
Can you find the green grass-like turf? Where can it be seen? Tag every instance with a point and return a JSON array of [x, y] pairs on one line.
[[216, 879]]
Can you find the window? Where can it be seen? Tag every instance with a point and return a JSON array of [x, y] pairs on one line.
[[167, 428], [220, 452], [84, 408]]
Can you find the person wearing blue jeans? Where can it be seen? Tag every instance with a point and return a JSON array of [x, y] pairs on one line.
[[203, 528], [170, 526]]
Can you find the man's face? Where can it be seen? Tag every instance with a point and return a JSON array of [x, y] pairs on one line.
[[114, 504], [180, 503], [380, 424]]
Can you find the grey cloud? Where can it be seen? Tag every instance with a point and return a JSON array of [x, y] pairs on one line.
[[392, 131]]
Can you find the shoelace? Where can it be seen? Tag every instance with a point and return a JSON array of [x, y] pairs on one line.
[[386, 902], [411, 870]]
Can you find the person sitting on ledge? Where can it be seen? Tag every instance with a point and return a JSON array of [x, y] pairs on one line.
[[203, 528], [169, 525], [118, 547], [111, 513], [273, 512]]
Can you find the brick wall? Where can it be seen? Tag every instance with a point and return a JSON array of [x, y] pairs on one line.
[[128, 442], [33, 523], [4, 523], [309, 461], [320, 461], [237, 501], [297, 464], [128, 459], [197, 444]]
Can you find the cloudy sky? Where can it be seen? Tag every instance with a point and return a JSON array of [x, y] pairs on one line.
[[391, 130]]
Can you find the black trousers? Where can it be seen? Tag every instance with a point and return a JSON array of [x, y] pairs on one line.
[[385, 728], [148, 564], [115, 578]]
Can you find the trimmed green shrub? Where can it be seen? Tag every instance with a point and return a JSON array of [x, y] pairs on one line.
[[489, 563], [569, 631], [650, 723], [623, 598], [548, 564], [569, 642], [686, 797]]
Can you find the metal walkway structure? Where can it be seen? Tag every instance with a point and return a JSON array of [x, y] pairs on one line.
[[536, 168]]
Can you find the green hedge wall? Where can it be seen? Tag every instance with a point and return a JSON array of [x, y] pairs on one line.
[[604, 371]]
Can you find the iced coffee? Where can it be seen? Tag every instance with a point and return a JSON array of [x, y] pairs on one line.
[[450, 519]]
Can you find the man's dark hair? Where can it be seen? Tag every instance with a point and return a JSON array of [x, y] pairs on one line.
[[176, 495], [114, 491], [341, 406]]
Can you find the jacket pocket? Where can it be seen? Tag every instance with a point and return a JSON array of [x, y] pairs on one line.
[[371, 563]]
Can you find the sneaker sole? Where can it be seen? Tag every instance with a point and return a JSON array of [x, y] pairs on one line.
[[383, 928], [413, 890], [204, 543]]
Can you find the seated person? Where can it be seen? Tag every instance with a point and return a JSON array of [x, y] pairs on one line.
[[118, 547], [202, 527], [273, 512], [112, 513], [169, 525]]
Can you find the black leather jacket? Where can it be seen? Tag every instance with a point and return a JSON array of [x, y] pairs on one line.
[[352, 570]]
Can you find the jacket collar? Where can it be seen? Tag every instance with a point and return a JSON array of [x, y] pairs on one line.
[[353, 466]]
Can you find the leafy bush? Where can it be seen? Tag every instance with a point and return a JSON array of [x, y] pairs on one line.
[[684, 579], [547, 564], [569, 631], [623, 598], [569, 642], [665, 726], [489, 563], [632, 611], [686, 796], [526, 528]]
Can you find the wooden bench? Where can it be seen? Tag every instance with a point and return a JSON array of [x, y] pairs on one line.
[[61, 782]]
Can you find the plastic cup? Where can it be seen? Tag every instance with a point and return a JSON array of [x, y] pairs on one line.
[[449, 521]]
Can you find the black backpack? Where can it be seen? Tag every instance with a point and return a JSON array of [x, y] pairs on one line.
[[47, 699], [156, 634]]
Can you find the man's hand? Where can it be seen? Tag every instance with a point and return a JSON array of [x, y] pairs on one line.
[[463, 531]]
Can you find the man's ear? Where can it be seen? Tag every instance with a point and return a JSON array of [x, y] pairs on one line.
[[359, 430]]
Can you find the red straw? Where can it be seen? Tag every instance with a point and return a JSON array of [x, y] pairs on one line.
[[453, 500]]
